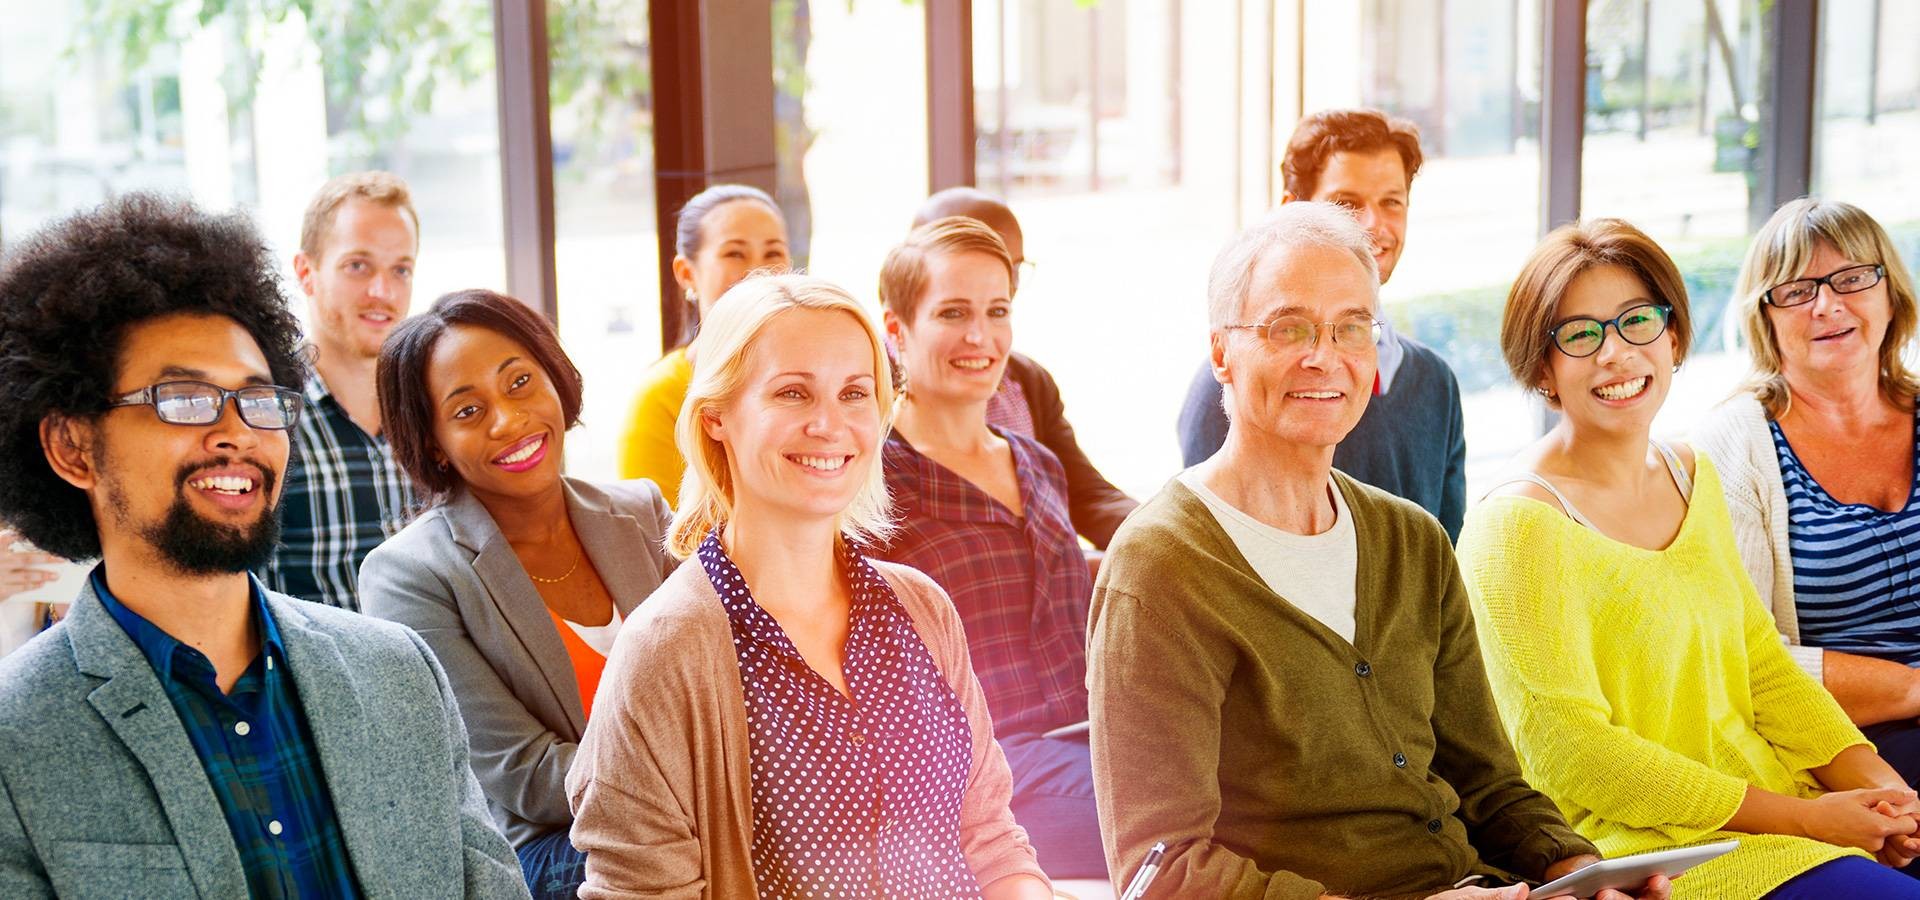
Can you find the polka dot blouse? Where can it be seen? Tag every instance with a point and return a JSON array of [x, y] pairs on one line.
[[851, 798]]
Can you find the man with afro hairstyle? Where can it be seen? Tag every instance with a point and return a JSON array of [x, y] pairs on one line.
[[185, 732]]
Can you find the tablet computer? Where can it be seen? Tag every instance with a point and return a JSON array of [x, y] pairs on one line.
[[1629, 872]]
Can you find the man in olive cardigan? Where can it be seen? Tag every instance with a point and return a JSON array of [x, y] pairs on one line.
[[1286, 685]]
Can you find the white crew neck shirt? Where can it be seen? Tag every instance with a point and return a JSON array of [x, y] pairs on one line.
[[1314, 572]]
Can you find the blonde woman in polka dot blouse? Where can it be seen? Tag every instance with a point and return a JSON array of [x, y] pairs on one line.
[[785, 717]]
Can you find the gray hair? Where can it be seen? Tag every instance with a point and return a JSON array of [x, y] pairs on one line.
[[1293, 226]]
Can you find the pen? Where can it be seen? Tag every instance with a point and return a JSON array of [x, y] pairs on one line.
[[1149, 868]]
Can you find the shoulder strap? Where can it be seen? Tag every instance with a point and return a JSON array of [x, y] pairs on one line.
[[1678, 471], [1565, 504]]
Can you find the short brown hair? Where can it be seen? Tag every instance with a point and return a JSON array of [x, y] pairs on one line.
[[903, 276], [406, 407], [1319, 136], [1781, 251], [384, 188], [1533, 305]]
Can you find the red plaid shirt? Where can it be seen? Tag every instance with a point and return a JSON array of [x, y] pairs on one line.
[[1021, 585]]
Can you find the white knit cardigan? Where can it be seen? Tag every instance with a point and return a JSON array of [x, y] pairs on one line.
[[1735, 435]]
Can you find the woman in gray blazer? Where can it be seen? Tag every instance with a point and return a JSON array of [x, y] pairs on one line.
[[517, 577]]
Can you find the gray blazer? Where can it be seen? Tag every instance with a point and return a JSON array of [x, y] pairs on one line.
[[102, 795], [451, 576]]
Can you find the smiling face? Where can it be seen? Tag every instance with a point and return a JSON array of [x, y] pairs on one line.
[[803, 434], [362, 281], [1836, 334], [498, 421], [1310, 397], [203, 498], [1374, 187], [955, 348], [1620, 387], [736, 238]]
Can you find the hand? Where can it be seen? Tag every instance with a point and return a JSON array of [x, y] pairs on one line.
[[1656, 888], [17, 567], [1854, 819], [1899, 849], [1512, 892]]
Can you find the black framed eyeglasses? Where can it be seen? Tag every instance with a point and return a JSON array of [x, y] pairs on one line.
[[265, 406], [1801, 291], [1640, 325], [1351, 334]]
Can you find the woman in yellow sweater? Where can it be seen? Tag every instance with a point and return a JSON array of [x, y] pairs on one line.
[[1643, 683], [723, 233]]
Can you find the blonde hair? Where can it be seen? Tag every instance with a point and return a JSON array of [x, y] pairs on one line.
[[1533, 303], [1780, 252], [384, 188], [720, 355], [904, 274]]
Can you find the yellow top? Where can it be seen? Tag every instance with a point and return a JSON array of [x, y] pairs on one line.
[[647, 449], [1646, 689]]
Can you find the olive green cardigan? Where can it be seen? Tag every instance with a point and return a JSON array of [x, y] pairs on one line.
[[1278, 760]]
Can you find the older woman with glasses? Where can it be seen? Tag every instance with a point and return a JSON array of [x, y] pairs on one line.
[[1639, 675], [1817, 457], [787, 717]]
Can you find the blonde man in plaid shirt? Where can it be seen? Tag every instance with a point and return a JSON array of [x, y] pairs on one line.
[[345, 491]]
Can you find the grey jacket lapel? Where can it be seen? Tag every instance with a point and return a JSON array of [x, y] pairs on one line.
[[616, 545], [134, 705], [337, 721], [516, 599]]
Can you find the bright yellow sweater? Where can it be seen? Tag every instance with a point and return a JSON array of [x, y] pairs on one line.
[[647, 449], [1645, 690]]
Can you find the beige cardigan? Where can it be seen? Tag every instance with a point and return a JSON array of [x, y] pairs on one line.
[[1736, 437], [661, 792]]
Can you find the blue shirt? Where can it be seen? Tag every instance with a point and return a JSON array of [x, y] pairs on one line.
[[1856, 568], [852, 796], [258, 754]]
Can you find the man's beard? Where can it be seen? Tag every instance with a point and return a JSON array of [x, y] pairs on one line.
[[194, 545]]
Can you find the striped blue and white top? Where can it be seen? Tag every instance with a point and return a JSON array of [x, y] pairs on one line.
[[1856, 568]]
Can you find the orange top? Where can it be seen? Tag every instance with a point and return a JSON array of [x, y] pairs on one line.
[[587, 662]]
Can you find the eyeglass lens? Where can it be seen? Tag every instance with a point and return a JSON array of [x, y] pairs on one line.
[[189, 403]]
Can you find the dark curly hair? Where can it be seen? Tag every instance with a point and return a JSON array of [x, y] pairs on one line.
[[68, 295], [400, 378]]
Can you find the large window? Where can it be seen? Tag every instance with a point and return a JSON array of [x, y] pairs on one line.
[[1109, 129], [239, 112], [1675, 92], [1468, 73], [1870, 114]]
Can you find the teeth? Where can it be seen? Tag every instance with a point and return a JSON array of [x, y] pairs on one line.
[[823, 463], [224, 484], [1623, 390], [524, 453], [1314, 395], [974, 364]]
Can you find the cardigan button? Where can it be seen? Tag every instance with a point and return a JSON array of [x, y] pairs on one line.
[[1400, 760], [1433, 827], [1362, 669]]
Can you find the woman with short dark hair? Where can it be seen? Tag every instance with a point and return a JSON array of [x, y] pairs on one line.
[[518, 577]]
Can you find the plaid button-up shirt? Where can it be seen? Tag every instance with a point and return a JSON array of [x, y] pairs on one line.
[[1021, 583], [258, 754], [345, 494]]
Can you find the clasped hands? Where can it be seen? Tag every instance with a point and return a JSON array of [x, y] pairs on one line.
[[1881, 821]]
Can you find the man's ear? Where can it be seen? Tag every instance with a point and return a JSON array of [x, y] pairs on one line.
[[1217, 356], [303, 272], [69, 444]]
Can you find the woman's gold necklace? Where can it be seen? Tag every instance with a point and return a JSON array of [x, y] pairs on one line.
[[569, 573]]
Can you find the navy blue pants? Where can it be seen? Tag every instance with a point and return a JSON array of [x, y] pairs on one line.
[[1899, 744], [1847, 877], [1053, 801], [552, 868]]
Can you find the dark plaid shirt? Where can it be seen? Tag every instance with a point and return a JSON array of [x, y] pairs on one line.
[[1021, 583], [259, 756], [852, 797], [345, 494]]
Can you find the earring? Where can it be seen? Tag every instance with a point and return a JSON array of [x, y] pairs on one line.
[[443, 465], [690, 296]]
